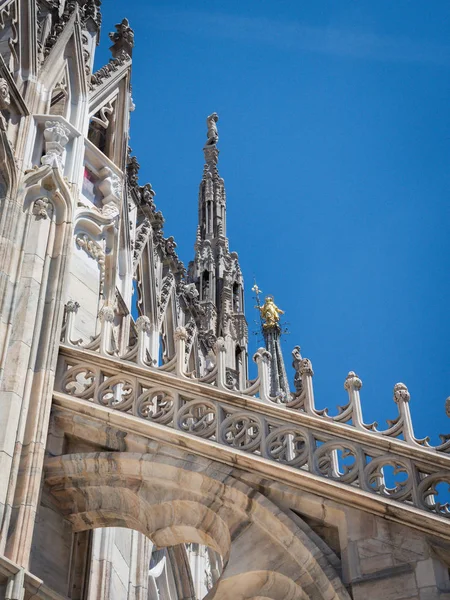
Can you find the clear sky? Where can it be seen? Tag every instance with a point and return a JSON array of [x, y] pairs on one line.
[[335, 149]]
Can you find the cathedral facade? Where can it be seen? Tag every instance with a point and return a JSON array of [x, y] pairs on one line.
[[137, 458]]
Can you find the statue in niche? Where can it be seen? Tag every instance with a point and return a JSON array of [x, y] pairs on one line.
[[236, 300], [5, 101], [205, 286], [212, 134], [270, 313]]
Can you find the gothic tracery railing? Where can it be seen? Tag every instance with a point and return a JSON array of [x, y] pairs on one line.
[[343, 449]]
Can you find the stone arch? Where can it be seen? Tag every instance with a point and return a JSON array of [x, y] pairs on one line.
[[167, 524], [259, 585], [172, 504]]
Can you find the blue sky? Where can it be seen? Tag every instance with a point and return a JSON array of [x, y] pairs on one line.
[[335, 149]]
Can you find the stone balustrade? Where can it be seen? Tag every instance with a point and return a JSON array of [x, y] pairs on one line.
[[341, 449]]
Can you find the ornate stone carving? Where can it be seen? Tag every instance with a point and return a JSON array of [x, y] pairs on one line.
[[288, 445], [72, 306], [208, 338], [58, 23], [166, 290], [352, 381], [143, 323], [5, 101], [190, 290], [361, 458], [241, 430], [191, 328], [92, 248], [40, 208], [114, 64], [9, 16], [399, 488], [111, 188], [180, 334], [306, 367], [337, 460], [219, 345], [232, 379], [122, 38], [146, 195], [198, 418], [262, 355], [106, 314], [95, 251], [91, 10], [102, 118], [56, 136], [142, 235], [401, 393], [156, 406], [80, 381], [117, 392], [133, 167], [296, 364], [170, 246]]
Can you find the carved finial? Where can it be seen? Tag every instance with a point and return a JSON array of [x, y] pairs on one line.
[[447, 407], [123, 39], [306, 367], [262, 355], [401, 393], [143, 324], [352, 381], [72, 306], [106, 314]]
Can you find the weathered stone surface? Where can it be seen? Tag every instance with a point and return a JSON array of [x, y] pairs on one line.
[[128, 424], [402, 587]]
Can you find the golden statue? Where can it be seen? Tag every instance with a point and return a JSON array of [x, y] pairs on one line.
[[270, 313]]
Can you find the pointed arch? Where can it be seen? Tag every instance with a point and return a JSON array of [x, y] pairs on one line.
[[67, 56]]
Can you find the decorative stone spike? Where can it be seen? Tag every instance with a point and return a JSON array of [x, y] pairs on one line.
[[352, 381]]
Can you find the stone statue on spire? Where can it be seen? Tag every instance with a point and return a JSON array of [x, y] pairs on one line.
[[270, 313], [212, 134]]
